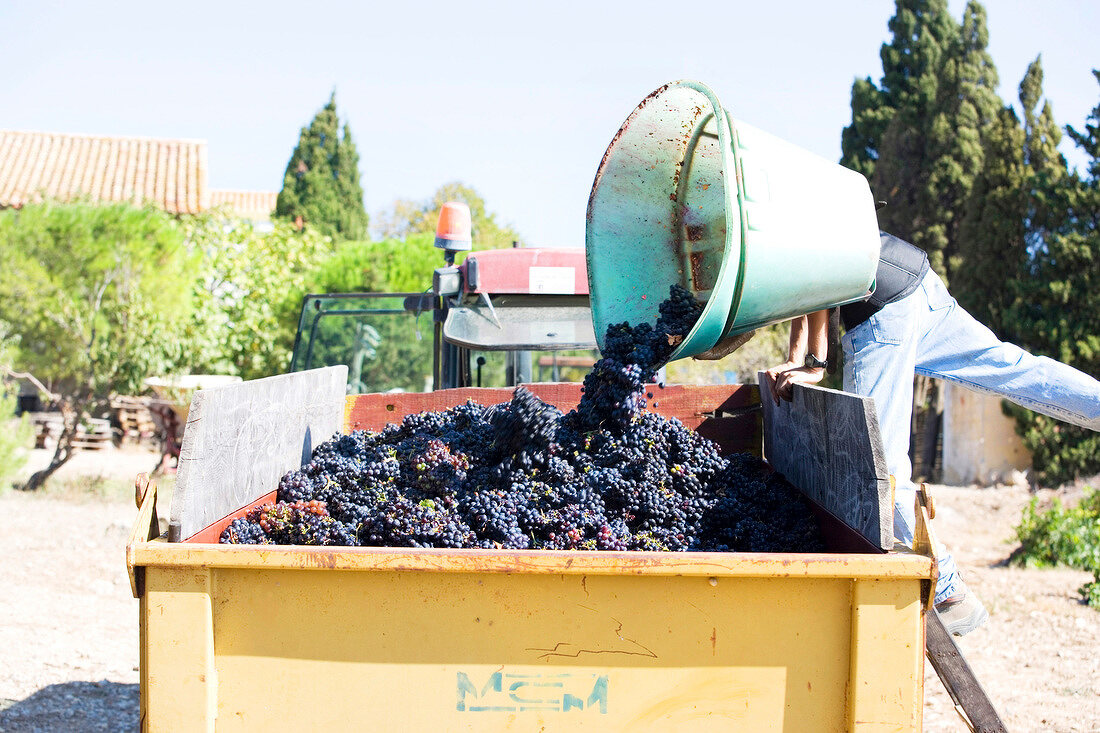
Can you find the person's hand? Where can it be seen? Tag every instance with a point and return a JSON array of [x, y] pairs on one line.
[[781, 379], [771, 377]]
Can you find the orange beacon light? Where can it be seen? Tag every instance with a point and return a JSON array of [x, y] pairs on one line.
[[452, 233]]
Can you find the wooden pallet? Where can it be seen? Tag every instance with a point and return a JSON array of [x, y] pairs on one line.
[[91, 434], [134, 418]]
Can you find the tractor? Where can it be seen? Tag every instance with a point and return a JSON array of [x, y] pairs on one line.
[[500, 318]]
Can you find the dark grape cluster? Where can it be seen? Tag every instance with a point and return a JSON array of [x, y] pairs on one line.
[[614, 391], [521, 475], [288, 523]]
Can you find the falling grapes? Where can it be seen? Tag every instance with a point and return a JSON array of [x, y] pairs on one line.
[[521, 475]]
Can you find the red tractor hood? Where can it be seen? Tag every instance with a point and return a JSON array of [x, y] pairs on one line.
[[527, 271]]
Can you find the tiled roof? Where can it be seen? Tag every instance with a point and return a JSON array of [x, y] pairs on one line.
[[168, 173], [254, 205]]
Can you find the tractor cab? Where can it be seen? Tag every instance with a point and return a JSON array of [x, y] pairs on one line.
[[500, 318]]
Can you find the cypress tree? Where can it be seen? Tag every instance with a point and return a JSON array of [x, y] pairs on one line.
[[1047, 169], [870, 115], [992, 231], [920, 31], [1047, 189], [967, 106], [1089, 141], [321, 183], [1078, 252], [1058, 314], [918, 136]]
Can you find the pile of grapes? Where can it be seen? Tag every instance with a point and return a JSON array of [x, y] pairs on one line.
[[521, 475]]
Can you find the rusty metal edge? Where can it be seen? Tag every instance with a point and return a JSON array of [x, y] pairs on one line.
[[565, 562]]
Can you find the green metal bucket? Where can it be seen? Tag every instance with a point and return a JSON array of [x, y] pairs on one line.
[[760, 230]]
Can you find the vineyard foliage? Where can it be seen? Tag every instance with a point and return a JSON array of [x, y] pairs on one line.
[[1063, 535]]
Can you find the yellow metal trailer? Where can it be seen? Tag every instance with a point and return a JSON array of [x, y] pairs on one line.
[[306, 638]]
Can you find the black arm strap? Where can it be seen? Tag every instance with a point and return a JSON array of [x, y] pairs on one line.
[[834, 340]]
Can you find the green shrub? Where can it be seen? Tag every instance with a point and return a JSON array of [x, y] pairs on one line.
[[1063, 535], [1060, 452], [15, 439]]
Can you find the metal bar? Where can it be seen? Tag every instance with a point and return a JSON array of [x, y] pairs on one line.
[[356, 311], [298, 332], [681, 195], [341, 296], [312, 335]]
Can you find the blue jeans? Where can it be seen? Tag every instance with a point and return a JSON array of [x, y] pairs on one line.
[[928, 333]]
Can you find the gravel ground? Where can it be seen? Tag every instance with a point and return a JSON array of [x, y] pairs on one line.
[[69, 631], [1037, 656], [69, 624]]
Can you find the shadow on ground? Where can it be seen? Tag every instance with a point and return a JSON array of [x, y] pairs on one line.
[[74, 706]]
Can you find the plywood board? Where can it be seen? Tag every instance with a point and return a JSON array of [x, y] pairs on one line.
[[828, 444], [241, 438]]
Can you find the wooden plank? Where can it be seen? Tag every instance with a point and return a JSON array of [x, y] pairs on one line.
[[91, 433], [828, 444], [740, 434], [957, 676], [146, 527], [691, 404], [241, 438], [375, 411]]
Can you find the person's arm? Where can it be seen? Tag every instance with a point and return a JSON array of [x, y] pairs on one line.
[[809, 335]]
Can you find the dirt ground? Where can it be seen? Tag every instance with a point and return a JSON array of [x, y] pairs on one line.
[[1037, 657], [69, 632]]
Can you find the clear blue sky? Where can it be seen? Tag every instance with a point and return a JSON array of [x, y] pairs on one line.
[[516, 99]]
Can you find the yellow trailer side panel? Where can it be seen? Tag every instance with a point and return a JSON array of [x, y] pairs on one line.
[[381, 639]]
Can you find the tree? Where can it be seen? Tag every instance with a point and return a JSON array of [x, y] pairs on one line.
[[918, 135], [1034, 206], [1058, 313], [407, 217], [321, 183], [993, 233], [1048, 174], [921, 30], [1029, 264], [247, 287], [382, 266], [15, 434], [91, 297], [967, 107]]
